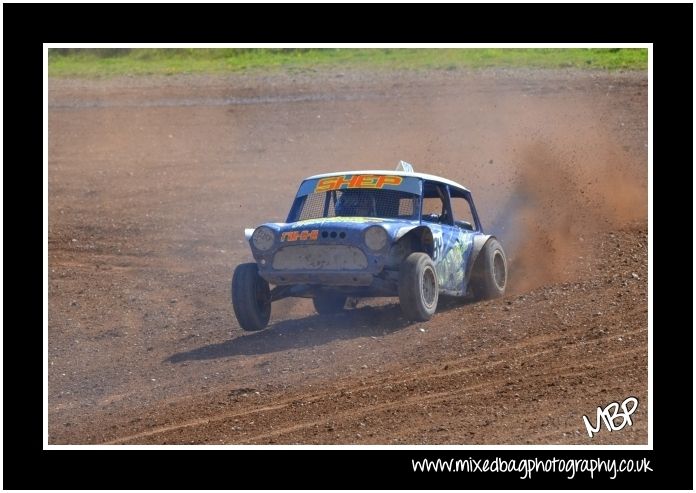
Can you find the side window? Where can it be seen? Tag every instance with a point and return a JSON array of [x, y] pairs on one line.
[[461, 210], [432, 205], [435, 200]]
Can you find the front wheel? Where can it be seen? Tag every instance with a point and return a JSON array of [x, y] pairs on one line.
[[251, 297], [418, 287], [490, 276]]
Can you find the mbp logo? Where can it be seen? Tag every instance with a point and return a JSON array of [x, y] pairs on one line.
[[610, 414]]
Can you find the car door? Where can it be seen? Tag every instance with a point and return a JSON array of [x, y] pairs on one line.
[[451, 243], [466, 225]]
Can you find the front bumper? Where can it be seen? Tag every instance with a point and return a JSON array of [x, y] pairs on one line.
[[320, 264], [324, 277]]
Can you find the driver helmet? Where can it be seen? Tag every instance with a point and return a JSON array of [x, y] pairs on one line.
[[356, 203]]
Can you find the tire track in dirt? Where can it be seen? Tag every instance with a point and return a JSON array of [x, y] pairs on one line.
[[424, 377], [359, 410], [191, 424]]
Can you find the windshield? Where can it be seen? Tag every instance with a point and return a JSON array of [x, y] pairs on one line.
[[358, 195], [392, 204]]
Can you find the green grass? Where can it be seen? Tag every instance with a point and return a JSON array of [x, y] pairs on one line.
[[111, 62]]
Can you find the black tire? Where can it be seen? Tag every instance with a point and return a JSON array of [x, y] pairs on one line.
[[489, 279], [329, 303], [251, 297], [418, 287]]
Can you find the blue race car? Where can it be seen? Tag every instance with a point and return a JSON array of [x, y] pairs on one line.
[[373, 233]]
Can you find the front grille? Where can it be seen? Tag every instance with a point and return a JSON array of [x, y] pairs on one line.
[[319, 257]]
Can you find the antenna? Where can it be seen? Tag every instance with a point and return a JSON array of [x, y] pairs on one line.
[[404, 166]]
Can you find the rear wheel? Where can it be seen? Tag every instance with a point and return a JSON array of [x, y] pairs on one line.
[[490, 278], [418, 287], [328, 303], [251, 297]]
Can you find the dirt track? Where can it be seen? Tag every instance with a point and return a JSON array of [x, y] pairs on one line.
[[152, 180]]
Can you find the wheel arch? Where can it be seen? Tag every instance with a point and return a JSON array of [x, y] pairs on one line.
[[420, 238], [479, 243]]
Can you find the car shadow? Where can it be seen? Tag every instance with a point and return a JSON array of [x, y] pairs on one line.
[[314, 330]]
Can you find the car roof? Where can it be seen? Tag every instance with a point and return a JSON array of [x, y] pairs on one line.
[[422, 176]]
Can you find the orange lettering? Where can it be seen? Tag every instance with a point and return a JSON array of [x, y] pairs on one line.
[[325, 184], [300, 235], [391, 180], [342, 180], [369, 181], [357, 181]]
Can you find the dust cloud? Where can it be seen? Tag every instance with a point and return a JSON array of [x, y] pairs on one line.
[[558, 201]]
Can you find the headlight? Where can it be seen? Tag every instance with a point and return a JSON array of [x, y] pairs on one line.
[[263, 238], [375, 238]]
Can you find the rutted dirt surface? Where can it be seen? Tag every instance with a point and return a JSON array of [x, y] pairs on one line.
[[152, 180]]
